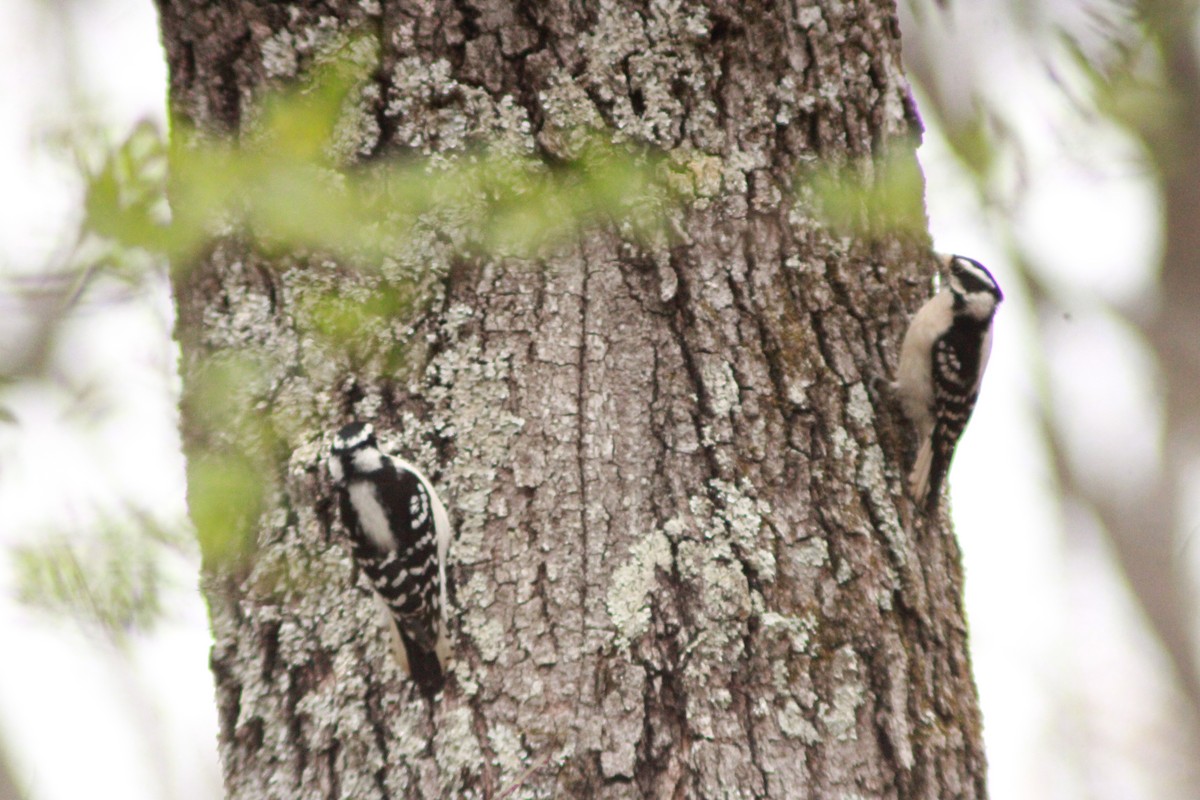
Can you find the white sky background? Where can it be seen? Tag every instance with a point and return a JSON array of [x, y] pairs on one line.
[[1071, 700], [80, 717]]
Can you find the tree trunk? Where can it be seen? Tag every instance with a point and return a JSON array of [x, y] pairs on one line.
[[680, 565]]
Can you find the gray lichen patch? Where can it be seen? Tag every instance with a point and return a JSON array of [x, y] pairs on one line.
[[812, 553], [510, 754], [251, 324], [724, 605], [473, 386], [746, 517], [570, 115], [432, 111], [456, 749], [795, 723], [720, 385], [632, 583], [859, 409], [283, 51], [623, 726], [357, 133], [838, 711], [872, 479], [795, 631], [696, 175], [489, 635]]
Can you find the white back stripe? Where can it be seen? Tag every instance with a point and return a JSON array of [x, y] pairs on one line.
[[371, 514]]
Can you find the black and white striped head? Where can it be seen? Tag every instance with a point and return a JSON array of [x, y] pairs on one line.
[[355, 453], [976, 293]]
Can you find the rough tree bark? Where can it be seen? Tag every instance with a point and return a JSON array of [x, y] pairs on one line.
[[680, 566]]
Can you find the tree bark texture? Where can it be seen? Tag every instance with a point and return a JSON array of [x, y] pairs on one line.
[[681, 567]]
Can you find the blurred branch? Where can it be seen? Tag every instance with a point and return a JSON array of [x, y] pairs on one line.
[[1175, 329], [1147, 534], [9, 789], [112, 582], [1143, 533]]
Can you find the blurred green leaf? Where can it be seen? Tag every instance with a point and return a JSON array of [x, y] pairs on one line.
[[339, 319], [225, 498], [974, 142], [220, 392], [282, 186], [872, 199], [111, 581], [126, 195]]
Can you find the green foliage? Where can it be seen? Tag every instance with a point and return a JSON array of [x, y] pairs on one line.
[[220, 394], [231, 472], [284, 185], [873, 199], [351, 324], [976, 141], [276, 189], [111, 582], [225, 498], [126, 195]]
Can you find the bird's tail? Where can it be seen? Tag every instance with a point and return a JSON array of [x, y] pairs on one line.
[[425, 666], [422, 664], [918, 479]]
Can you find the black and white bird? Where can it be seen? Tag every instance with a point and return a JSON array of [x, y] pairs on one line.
[[399, 533], [942, 360]]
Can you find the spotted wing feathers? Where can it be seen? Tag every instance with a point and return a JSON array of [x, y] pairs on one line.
[[954, 398]]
